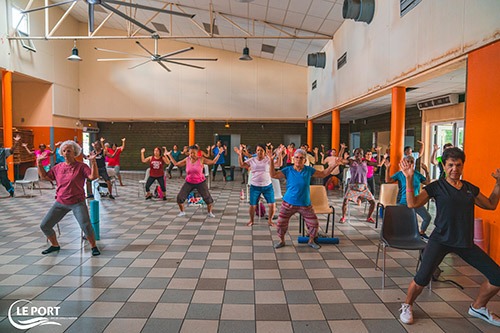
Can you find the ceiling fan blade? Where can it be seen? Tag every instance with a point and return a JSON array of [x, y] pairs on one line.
[[119, 59], [180, 63], [176, 52], [120, 52], [166, 11], [126, 17], [48, 6], [91, 17], [145, 49], [163, 65], [142, 63], [193, 59]]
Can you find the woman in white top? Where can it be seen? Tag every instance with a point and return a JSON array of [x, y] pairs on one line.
[[260, 182]]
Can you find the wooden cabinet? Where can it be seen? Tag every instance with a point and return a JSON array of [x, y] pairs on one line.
[[20, 154]]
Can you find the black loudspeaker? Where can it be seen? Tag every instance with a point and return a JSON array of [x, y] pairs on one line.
[[317, 59], [359, 10]]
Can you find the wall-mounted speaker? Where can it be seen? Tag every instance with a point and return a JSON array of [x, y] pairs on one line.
[[316, 59], [359, 10]]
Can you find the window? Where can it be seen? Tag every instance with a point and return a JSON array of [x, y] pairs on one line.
[[20, 21], [407, 5], [21, 26]]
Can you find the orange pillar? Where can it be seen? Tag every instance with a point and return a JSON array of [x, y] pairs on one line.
[[310, 133], [191, 132], [398, 112], [7, 118], [336, 129], [481, 129]]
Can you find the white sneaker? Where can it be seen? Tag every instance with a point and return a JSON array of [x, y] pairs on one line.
[[485, 315], [210, 214], [181, 214], [406, 315]]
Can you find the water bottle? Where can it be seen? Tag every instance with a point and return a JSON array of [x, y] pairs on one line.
[[242, 194]]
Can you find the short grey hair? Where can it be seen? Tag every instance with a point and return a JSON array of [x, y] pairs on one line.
[[301, 152], [76, 146], [409, 159]]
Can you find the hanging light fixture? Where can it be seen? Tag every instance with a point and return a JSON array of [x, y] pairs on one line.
[[74, 54], [227, 125], [246, 53]]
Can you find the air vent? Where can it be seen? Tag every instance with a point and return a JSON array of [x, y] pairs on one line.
[[160, 27], [408, 89], [342, 61], [314, 84], [206, 26], [317, 59], [405, 6], [268, 48], [437, 102]]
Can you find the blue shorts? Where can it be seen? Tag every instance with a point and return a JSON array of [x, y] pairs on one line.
[[256, 191]]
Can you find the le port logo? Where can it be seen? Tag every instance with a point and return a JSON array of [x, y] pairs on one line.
[[24, 315]]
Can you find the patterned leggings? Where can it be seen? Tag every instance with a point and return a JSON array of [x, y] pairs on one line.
[[286, 212]]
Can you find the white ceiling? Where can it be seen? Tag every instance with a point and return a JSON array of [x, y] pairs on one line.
[[305, 18], [451, 82], [308, 19]]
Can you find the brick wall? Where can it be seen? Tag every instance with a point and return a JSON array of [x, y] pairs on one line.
[[150, 134]]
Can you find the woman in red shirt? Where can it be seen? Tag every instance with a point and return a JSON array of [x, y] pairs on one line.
[[114, 159], [157, 164]]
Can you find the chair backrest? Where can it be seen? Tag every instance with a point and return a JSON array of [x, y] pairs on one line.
[[400, 223], [319, 167], [31, 174], [111, 172], [147, 175], [319, 198], [346, 176], [388, 194], [277, 189]]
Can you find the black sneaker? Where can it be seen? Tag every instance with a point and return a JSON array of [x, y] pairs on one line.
[[111, 197], [51, 249], [424, 236], [164, 198], [90, 196], [149, 197], [95, 251]]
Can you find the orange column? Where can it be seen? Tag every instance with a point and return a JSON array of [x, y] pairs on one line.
[[398, 112], [481, 128], [336, 129], [310, 133], [7, 118], [191, 132]]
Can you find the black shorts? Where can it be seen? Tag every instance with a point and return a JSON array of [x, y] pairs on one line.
[[103, 173]]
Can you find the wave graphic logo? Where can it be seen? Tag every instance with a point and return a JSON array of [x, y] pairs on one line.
[[29, 310]]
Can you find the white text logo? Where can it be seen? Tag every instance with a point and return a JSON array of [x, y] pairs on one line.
[[28, 310]]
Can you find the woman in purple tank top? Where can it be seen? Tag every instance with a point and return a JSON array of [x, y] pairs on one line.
[[195, 178]]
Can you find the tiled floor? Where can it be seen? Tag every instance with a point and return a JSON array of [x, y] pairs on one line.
[[161, 273]]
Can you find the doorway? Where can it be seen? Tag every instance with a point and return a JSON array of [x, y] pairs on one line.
[[446, 132], [355, 141], [226, 141]]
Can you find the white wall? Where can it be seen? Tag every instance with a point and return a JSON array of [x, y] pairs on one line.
[[228, 89], [49, 62], [392, 48]]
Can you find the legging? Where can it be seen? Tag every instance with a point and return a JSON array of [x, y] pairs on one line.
[[171, 166], [214, 170], [286, 212], [202, 190], [160, 181], [371, 185], [435, 252], [58, 211]]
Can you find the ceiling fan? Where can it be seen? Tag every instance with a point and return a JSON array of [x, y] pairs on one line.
[[106, 4], [160, 59]]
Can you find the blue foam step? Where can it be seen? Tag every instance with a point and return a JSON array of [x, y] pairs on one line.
[[319, 240]]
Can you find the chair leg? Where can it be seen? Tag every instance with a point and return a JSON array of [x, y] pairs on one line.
[[333, 220], [58, 229], [39, 188], [383, 269], [24, 192], [378, 252]]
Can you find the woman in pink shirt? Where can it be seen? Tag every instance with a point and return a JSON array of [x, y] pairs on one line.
[[70, 176], [195, 178], [43, 154]]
